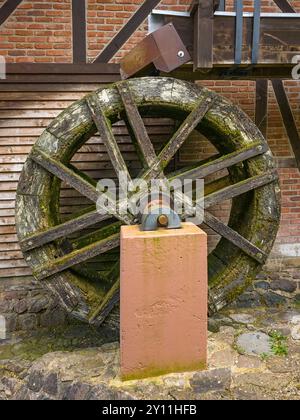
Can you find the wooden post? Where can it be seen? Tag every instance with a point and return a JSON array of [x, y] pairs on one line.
[[203, 15]]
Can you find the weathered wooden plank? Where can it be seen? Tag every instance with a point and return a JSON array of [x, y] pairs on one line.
[[61, 78], [239, 188], [111, 299], [7, 9], [185, 129], [11, 255], [25, 123], [30, 113], [65, 174], [62, 230], [104, 128], [8, 238], [4, 230], [42, 96], [13, 105], [203, 16], [80, 184], [12, 263], [77, 257], [234, 237], [44, 87], [7, 212], [8, 186], [219, 163], [287, 117], [15, 272], [79, 31], [126, 31], [9, 246], [20, 132], [96, 235], [144, 144]]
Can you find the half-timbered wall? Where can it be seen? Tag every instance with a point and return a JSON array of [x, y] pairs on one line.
[[41, 32]]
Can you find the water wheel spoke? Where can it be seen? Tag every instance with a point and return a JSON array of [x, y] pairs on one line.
[[201, 170], [82, 174], [239, 188], [77, 257], [97, 235], [105, 307], [137, 127], [234, 237], [63, 230], [184, 130], [65, 174], [105, 130], [80, 184]]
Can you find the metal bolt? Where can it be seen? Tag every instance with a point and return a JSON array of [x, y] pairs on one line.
[[30, 243], [162, 220], [180, 54], [259, 148]]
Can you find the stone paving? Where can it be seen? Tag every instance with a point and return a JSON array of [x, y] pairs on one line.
[[253, 354]]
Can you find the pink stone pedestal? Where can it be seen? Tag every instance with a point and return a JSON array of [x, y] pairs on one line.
[[163, 301]]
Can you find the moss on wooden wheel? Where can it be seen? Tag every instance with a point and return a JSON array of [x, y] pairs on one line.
[[254, 215]]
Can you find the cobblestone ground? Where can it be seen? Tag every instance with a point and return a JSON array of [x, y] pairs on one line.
[[253, 354]]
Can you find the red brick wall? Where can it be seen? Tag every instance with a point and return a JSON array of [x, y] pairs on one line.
[[40, 31]]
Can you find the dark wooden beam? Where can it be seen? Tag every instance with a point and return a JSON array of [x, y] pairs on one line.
[[202, 170], [185, 129], [79, 30], [7, 9], [234, 237], [230, 72], [62, 68], [105, 130], [242, 187], [127, 30], [288, 118], [136, 124], [285, 6], [203, 14], [261, 106], [76, 257], [63, 230]]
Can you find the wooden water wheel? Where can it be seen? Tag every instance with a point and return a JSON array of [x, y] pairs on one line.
[[251, 184]]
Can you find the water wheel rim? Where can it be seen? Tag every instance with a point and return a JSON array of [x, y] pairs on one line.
[[225, 125]]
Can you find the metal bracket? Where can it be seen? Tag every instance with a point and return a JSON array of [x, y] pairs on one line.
[[158, 214], [162, 50]]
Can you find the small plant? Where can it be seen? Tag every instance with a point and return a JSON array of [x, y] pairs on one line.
[[239, 349], [264, 356], [278, 343]]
